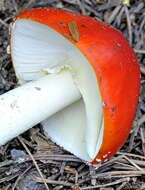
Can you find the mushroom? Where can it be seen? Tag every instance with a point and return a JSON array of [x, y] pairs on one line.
[[79, 77]]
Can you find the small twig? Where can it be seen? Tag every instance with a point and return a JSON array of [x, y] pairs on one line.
[[113, 14], [62, 168], [119, 173], [142, 119], [9, 178], [132, 138], [119, 16], [4, 23], [86, 179], [131, 155], [143, 140], [56, 182], [123, 164], [57, 157], [108, 184], [82, 7], [108, 177], [82, 174], [7, 188], [27, 4], [134, 164], [54, 158], [15, 6], [6, 163], [92, 173], [128, 24], [34, 161], [122, 186], [76, 177], [141, 51], [142, 69], [138, 162], [81, 167], [20, 176]]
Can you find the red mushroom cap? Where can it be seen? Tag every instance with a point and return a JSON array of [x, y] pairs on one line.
[[114, 63]]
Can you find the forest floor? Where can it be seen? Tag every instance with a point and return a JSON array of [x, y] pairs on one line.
[[25, 157]]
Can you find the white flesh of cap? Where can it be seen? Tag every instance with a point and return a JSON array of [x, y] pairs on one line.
[[38, 49]]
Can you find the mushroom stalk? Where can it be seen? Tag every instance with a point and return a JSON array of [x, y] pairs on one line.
[[26, 106]]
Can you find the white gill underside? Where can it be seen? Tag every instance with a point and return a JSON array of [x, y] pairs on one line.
[[37, 49]]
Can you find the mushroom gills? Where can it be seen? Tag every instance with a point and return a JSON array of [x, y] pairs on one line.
[[38, 50]]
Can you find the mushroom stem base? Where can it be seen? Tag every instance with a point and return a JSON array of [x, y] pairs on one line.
[[26, 106]]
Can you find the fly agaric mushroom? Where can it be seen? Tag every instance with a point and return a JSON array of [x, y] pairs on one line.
[[85, 85]]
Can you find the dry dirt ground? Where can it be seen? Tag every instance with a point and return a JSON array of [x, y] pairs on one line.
[[29, 159]]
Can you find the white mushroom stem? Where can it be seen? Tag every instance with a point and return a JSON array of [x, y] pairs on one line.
[[26, 106]]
